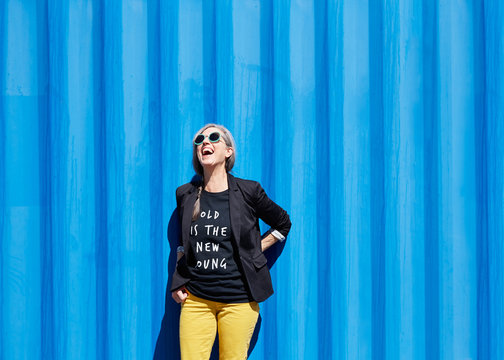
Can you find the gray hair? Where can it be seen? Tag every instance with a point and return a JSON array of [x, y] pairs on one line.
[[229, 141]]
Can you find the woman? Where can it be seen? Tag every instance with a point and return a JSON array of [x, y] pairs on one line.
[[221, 271]]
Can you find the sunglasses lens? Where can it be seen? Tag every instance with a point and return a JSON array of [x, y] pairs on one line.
[[199, 139], [213, 137]]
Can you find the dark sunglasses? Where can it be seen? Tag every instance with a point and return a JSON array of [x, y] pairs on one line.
[[212, 137]]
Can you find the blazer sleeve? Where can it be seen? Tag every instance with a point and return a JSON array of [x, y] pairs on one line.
[[178, 196], [271, 213], [180, 276]]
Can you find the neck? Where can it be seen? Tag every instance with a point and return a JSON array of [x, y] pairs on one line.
[[215, 180]]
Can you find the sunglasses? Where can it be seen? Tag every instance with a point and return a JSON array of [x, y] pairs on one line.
[[212, 137]]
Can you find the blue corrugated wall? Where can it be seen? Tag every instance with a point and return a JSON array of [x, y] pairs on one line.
[[378, 125]]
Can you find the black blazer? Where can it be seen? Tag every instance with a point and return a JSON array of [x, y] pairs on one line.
[[247, 203]]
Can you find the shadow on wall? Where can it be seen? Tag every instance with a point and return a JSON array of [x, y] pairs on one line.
[[167, 344]]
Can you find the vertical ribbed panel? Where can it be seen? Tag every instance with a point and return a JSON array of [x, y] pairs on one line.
[[2, 173], [491, 203], [379, 126], [23, 87], [99, 101], [114, 163], [323, 82], [377, 173], [431, 116], [457, 245], [356, 229]]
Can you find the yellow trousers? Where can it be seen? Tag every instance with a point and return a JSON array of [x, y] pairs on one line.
[[200, 319]]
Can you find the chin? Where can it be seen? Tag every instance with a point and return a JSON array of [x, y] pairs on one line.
[[207, 163]]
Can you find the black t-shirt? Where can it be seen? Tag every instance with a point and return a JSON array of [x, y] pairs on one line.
[[211, 259]]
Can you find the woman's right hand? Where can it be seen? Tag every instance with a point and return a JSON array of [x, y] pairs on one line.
[[179, 295]]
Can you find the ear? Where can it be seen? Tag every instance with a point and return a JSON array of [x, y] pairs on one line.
[[229, 152]]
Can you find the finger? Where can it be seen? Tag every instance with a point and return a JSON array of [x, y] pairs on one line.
[[182, 295], [175, 297]]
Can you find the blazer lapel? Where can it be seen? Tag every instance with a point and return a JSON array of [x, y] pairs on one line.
[[235, 199]]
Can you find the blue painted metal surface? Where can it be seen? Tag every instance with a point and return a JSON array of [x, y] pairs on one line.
[[378, 125]]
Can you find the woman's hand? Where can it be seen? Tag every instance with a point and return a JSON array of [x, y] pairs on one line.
[[179, 295]]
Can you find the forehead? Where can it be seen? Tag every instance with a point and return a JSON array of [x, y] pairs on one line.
[[210, 130]]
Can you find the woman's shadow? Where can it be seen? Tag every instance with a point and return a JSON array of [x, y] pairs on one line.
[[167, 344]]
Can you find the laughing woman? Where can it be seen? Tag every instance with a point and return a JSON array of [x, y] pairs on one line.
[[221, 273]]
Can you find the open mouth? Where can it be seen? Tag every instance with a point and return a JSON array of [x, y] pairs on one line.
[[207, 151]]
